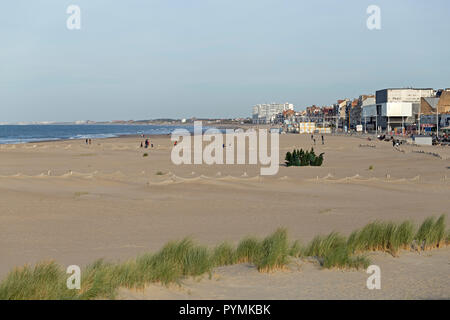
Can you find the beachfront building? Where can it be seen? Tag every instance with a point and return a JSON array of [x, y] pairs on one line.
[[350, 118], [435, 110], [395, 109], [356, 116], [267, 113], [340, 111]]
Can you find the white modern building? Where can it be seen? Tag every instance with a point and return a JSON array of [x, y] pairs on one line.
[[266, 113], [395, 108]]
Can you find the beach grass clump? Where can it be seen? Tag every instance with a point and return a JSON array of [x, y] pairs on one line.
[[154, 268], [382, 236], [248, 250], [403, 236], [184, 257], [296, 250], [145, 154], [46, 280], [340, 258], [224, 255], [322, 245], [332, 251], [431, 233], [100, 279], [273, 252]]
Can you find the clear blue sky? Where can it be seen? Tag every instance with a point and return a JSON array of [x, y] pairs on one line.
[[141, 59]]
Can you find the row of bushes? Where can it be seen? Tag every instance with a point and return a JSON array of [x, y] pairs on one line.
[[180, 259], [300, 158]]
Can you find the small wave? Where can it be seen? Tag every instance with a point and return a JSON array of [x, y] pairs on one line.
[[94, 136], [25, 140]]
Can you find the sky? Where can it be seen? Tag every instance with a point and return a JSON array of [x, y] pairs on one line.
[[148, 59]]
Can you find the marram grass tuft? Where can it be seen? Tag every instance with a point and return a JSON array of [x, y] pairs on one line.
[[184, 258]]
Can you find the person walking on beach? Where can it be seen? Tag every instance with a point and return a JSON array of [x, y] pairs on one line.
[[86, 141], [323, 142], [146, 143]]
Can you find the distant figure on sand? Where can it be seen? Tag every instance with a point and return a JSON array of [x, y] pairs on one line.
[[314, 139], [146, 143], [323, 142], [90, 141], [86, 141], [142, 145]]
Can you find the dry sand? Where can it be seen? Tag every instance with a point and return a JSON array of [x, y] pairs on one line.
[[75, 203]]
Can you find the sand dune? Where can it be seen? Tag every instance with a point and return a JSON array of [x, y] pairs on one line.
[[304, 280], [75, 203]]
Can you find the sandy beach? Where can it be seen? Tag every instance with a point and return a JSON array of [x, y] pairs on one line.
[[74, 203]]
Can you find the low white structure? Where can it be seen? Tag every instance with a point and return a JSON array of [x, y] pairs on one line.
[[307, 127], [322, 130], [388, 109], [423, 140]]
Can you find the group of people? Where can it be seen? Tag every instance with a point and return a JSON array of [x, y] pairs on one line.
[[88, 141], [314, 139], [146, 144]]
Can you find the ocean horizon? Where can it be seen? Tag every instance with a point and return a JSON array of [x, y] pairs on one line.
[[16, 134]]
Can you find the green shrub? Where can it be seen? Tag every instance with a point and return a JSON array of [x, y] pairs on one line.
[[303, 158]]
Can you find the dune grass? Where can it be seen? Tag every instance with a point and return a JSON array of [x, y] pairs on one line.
[[432, 234], [46, 280], [382, 236], [224, 255], [332, 251], [273, 252], [184, 258], [248, 250], [296, 250]]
